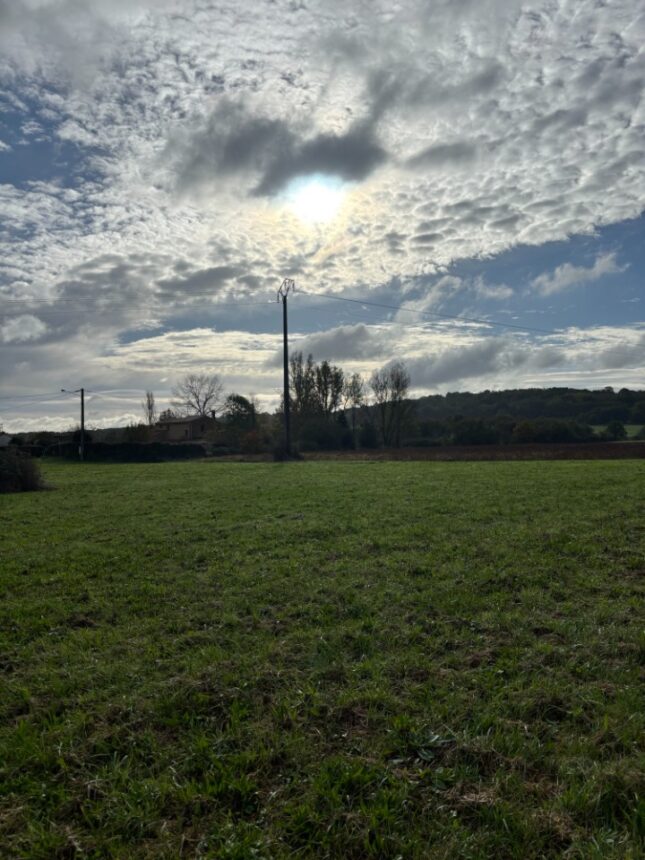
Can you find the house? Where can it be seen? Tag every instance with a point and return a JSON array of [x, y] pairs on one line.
[[184, 429]]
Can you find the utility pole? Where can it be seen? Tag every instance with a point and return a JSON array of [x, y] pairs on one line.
[[81, 391], [288, 285], [82, 451]]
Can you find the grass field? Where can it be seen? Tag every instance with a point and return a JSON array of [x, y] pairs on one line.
[[343, 660]]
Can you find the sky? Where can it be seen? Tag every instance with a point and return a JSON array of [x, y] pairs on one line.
[[475, 166]]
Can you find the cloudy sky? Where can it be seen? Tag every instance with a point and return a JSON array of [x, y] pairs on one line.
[[164, 164]]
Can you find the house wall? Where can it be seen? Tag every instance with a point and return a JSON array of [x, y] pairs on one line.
[[178, 432], [186, 431]]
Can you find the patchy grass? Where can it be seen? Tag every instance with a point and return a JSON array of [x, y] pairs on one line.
[[342, 660]]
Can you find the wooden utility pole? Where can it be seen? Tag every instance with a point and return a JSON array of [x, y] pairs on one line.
[[82, 450], [288, 285]]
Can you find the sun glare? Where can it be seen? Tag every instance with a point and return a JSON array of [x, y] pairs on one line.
[[315, 199]]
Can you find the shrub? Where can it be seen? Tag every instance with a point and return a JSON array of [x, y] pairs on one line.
[[615, 431], [18, 473], [251, 442]]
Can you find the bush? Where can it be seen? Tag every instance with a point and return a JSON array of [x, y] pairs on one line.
[[18, 473], [251, 443], [615, 431], [549, 430]]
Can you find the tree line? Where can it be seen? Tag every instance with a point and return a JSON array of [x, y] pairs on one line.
[[329, 407], [332, 409]]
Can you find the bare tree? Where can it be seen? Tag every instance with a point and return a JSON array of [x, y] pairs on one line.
[[390, 385], [149, 408], [198, 394]]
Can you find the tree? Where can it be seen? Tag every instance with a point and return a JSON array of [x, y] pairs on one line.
[[616, 431], [390, 385], [198, 394], [302, 383], [149, 408], [353, 397], [239, 412], [329, 381]]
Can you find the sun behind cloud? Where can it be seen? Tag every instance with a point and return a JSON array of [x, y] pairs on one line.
[[315, 199]]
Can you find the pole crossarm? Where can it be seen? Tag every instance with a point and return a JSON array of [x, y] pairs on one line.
[[286, 287]]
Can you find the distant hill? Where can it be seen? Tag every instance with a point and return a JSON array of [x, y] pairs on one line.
[[589, 407]]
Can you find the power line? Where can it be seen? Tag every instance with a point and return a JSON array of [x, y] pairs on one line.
[[624, 350], [476, 320], [34, 397], [79, 299]]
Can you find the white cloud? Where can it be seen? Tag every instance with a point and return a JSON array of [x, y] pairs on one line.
[[498, 292], [567, 275], [21, 329]]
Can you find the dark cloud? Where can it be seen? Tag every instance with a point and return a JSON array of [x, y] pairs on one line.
[[204, 279], [442, 154], [234, 142], [407, 86], [427, 238], [351, 156], [469, 362], [346, 342], [343, 343]]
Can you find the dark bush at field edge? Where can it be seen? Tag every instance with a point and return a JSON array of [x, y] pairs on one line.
[[18, 472]]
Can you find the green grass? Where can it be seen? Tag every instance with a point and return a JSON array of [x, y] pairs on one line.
[[343, 660]]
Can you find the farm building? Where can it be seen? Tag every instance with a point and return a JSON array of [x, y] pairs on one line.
[[184, 429]]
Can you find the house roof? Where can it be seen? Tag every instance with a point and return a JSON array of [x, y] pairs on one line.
[[186, 419]]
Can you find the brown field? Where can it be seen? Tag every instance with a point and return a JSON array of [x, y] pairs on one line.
[[570, 451]]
